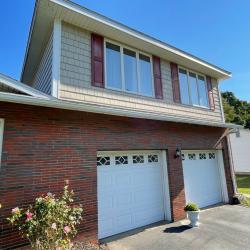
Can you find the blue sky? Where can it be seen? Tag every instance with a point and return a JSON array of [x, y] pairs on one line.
[[215, 30]]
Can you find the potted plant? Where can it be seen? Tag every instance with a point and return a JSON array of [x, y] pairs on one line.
[[193, 213]]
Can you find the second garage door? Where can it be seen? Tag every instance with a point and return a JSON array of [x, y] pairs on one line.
[[202, 177], [130, 191]]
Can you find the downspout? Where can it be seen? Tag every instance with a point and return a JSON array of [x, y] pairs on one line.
[[231, 160], [230, 156]]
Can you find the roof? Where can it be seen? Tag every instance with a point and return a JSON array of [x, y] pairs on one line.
[[46, 11], [21, 88]]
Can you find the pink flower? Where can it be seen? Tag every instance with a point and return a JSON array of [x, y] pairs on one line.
[[29, 215], [15, 210], [67, 229], [53, 226], [58, 248]]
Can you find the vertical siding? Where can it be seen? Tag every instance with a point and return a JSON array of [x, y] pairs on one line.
[[240, 150], [43, 77], [76, 82]]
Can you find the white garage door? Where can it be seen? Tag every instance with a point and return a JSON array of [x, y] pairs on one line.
[[202, 177], [130, 191]]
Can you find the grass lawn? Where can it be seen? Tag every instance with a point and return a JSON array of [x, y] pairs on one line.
[[243, 183]]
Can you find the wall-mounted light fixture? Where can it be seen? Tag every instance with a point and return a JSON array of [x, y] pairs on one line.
[[177, 153]]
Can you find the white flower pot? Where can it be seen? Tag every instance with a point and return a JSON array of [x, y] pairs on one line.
[[193, 216]]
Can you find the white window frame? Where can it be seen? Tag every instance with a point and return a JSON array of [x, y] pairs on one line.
[[123, 89], [189, 90], [1, 137]]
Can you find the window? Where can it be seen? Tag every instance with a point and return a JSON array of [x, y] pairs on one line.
[[128, 70], [1, 137], [193, 88], [184, 86], [138, 159], [145, 75], [152, 158], [121, 160], [191, 156], [202, 156], [103, 161], [113, 66], [211, 156], [203, 91]]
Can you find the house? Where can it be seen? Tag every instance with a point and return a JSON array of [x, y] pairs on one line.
[[134, 124], [240, 150]]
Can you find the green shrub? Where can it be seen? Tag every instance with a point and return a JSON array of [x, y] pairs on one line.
[[191, 207], [50, 223]]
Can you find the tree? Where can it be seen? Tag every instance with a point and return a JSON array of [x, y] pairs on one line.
[[236, 111]]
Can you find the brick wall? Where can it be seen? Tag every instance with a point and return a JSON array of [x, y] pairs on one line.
[[42, 147]]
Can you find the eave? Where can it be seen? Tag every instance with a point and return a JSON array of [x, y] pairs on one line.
[[46, 11], [108, 110], [20, 87]]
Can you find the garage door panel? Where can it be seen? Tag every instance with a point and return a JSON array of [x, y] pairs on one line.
[[106, 179], [122, 179], [107, 225], [124, 220], [129, 195], [201, 178], [124, 199], [106, 202], [149, 215]]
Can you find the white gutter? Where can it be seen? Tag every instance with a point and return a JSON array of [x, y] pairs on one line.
[[125, 29], [102, 109], [107, 21], [14, 84]]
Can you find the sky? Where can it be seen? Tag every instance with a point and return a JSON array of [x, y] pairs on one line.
[[217, 31]]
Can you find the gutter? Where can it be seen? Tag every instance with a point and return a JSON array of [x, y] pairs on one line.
[[130, 31], [13, 83], [76, 8], [104, 109]]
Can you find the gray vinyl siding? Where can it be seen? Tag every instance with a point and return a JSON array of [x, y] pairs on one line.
[[43, 77], [75, 84]]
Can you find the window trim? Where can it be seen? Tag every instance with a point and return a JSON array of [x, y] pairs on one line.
[[189, 91], [123, 89], [1, 137]]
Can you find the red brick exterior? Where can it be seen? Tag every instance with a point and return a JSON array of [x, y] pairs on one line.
[[42, 147]]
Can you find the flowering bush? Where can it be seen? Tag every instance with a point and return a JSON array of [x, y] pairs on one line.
[[50, 223]]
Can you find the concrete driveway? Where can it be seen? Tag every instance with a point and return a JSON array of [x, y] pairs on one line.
[[223, 227]]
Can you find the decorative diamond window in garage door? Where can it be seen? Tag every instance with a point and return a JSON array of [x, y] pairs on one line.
[[138, 159], [152, 158], [103, 161], [120, 160], [202, 156]]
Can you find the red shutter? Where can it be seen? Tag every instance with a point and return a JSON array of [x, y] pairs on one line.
[[175, 82], [157, 77], [97, 61], [210, 92]]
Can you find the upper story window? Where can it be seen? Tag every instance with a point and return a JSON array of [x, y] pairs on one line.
[[128, 70], [193, 88]]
